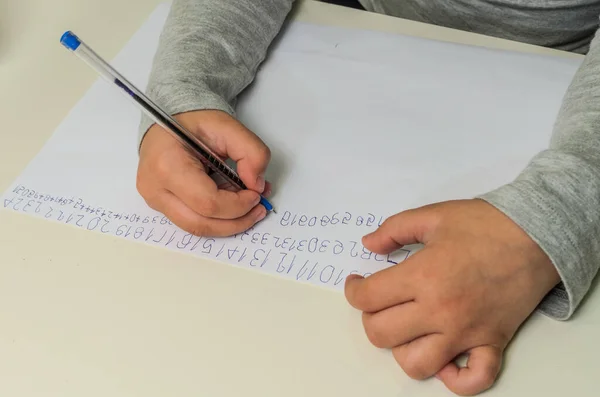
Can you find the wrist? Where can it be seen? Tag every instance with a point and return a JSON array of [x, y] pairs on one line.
[[541, 273]]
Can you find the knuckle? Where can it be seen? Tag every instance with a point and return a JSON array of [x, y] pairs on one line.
[[152, 204], [247, 224], [361, 300], [207, 206], [148, 194], [141, 184], [264, 153], [199, 230], [414, 367], [366, 296], [375, 332], [389, 222], [248, 201], [415, 362]]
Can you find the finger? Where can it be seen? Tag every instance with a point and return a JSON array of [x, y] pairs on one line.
[[483, 367], [249, 152], [397, 325], [200, 193], [388, 287], [408, 227], [192, 222], [373, 294], [425, 356], [268, 189]]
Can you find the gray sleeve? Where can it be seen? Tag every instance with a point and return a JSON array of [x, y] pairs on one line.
[[556, 199], [209, 51]]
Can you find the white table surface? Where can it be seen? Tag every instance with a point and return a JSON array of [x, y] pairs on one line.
[[83, 314]]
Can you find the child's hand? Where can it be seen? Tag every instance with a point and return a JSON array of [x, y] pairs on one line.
[[175, 183], [477, 279]]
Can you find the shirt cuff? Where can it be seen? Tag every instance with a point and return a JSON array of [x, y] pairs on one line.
[[536, 212]]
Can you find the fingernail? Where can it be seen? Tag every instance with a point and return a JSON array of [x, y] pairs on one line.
[[260, 183], [438, 376], [354, 276]]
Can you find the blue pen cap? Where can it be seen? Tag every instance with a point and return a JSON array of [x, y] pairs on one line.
[[266, 204], [70, 41]]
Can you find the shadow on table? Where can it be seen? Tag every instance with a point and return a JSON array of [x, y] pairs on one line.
[[345, 3]]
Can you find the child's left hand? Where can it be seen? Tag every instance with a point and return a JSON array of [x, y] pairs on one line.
[[477, 279]]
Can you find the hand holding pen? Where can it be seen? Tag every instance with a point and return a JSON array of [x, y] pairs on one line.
[[175, 183], [177, 155]]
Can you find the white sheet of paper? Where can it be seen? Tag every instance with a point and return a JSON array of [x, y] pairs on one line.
[[361, 125]]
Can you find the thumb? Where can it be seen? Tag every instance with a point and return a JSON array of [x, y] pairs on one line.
[[482, 369], [407, 227], [249, 152]]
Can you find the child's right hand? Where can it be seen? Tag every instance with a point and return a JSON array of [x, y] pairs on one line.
[[175, 183]]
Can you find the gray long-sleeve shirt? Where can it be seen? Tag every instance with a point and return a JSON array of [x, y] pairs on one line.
[[210, 51]]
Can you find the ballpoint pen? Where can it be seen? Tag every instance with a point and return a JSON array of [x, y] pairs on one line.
[[191, 142]]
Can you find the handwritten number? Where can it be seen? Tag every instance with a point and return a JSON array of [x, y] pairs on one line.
[[255, 258], [138, 233], [334, 219], [352, 253], [93, 224], [366, 254], [347, 217], [208, 244], [303, 220], [301, 245], [232, 252], [19, 201], [220, 250], [29, 204], [312, 245], [338, 247], [243, 256], [370, 219], [265, 238], [103, 229], [284, 221], [79, 220]]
